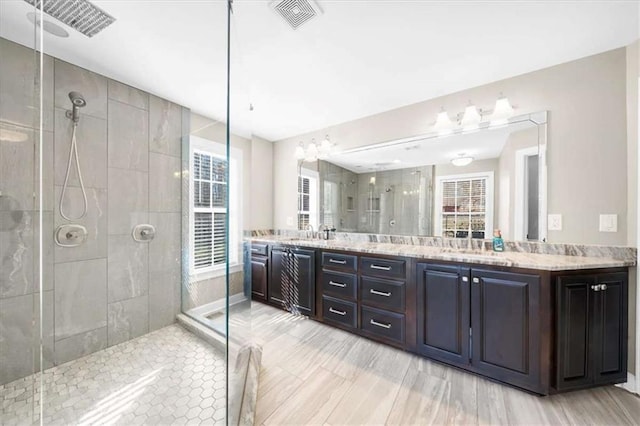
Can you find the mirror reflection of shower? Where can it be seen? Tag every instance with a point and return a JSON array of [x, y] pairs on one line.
[[77, 102]]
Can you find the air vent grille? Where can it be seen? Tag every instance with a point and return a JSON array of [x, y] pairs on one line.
[[296, 12], [80, 15]]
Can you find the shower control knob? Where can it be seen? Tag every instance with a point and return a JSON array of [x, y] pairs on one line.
[[143, 233], [71, 235]]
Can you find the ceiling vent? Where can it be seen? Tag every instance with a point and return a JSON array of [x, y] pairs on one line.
[[80, 15], [296, 12]]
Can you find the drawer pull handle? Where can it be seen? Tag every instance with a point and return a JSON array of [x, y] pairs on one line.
[[379, 324], [335, 311], [255, 250], [339, 262], [341, 285], [380, 293], [382, 268]]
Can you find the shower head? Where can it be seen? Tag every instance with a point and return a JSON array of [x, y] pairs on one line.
[[77, 99]]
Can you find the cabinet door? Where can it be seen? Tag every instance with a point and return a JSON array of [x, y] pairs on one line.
[[259, 272], [609, 349], [292, 283], [443, 312], [304, 276], [506, 327], [574, 296], [275, 282]]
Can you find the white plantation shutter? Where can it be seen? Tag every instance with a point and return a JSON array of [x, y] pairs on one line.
[[210, 191]]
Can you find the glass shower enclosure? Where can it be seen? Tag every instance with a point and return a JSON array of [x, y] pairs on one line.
[[119, 172]]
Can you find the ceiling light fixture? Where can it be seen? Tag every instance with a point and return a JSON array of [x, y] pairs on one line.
[[314, 152], [461, 160], [502, 112], [443, 124], [48, 26]]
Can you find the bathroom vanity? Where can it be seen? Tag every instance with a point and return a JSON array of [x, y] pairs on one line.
[[543, 323]]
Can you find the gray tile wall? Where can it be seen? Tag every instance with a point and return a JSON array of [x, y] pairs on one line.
[[111, 288]]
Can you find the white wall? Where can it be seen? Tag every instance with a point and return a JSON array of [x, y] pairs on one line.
[[587, 140]]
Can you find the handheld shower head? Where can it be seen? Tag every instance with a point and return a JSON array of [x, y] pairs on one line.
[[77, 99]]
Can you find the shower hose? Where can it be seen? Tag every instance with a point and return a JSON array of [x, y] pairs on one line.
[[73, 150]]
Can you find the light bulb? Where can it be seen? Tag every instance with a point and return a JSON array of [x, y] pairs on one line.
[[443, 125], [471, 119], [312, 151], [325, 148], [299, 153], [502, 112]]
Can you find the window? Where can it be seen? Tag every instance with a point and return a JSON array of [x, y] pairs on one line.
[[210, 190], [465, 205], [307, 199]]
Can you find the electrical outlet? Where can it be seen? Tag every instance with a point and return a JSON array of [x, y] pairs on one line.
[[608, 223], [554, 222], [289, 221]]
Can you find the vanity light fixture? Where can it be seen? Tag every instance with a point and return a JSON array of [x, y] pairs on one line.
[[443, 124], [462, 160], [471, 118], [502, 112], [314, 152]]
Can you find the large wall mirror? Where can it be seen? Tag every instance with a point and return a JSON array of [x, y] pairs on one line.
[[460, 185]]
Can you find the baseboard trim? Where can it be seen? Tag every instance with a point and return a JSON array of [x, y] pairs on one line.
[[630, 385]]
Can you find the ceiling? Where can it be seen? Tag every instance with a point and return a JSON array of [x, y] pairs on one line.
[[484, 144], [356, 59]]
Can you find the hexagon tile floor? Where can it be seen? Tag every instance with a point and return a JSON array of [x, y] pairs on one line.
[[167, 377]]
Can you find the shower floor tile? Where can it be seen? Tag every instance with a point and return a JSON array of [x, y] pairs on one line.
[[168, 376]]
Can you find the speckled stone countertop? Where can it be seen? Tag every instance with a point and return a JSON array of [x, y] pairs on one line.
[[516, 259]]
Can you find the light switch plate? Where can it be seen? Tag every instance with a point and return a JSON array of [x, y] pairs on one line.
[[608, 223], [554, 222], [289, 221]]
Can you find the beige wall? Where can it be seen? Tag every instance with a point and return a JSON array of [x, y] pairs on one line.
[[587, 153], [633, 73], [261, 184]]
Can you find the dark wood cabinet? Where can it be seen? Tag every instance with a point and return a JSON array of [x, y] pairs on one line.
[[259, 277], [538, 330], [444, 312], [506, 327], [591, 330], [292, 279]]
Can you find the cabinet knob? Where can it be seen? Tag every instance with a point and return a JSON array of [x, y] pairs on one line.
[[603, 286], [598, 287], [465, 279], [476, 280]]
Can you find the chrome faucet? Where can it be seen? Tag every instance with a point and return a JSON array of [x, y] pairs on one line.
[[308, 228]]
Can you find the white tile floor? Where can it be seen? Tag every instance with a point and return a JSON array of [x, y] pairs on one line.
[[167, 377]]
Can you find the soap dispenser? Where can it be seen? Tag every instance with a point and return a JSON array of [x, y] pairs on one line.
[[498, 242]]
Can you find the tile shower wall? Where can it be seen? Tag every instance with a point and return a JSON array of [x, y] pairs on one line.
[[111, 288]]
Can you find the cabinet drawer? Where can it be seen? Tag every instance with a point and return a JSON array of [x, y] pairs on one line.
[[340, 285], [383, 323], [383, 267], [339, 311], [340, 261], [257, 248], [383, 293]]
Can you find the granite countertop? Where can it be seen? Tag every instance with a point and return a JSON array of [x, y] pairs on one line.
[[546, 262]]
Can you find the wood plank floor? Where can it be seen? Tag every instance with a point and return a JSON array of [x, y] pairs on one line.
[[315, 374]]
